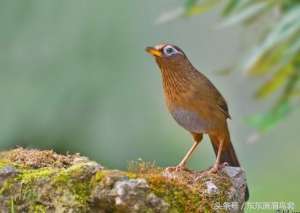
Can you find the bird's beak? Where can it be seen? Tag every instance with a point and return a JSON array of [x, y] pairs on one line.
[[153, 51]]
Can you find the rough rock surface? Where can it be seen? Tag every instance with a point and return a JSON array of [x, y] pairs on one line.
[[43, 181]]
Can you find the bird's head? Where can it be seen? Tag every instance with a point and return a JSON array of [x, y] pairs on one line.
[[167, 54]]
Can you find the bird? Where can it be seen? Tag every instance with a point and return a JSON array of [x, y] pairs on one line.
[[195, 104]]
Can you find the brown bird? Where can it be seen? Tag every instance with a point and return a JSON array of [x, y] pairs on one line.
[[196, 104]]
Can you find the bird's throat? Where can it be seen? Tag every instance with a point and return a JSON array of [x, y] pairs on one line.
[[176, 83]]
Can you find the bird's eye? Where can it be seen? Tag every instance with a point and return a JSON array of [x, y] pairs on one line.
[[168, 50]]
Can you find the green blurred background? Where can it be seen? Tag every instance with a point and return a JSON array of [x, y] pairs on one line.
[[75, 77]]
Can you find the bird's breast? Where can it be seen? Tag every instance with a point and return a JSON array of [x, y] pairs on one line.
[[189, 120]]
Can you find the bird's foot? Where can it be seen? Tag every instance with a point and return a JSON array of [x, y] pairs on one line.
[[217, 167], [223, 165], [178, 168], [214, 169]]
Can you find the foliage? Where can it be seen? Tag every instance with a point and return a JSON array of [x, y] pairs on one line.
[[276, 57]]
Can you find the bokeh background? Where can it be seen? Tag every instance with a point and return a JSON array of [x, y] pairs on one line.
[[75, 77]]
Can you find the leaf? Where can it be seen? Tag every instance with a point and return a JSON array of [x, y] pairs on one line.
[[190, 3], [245, 14], [267, 61], [289, 88], [282, 108], [275, 82], [225, 71], [191, 8], [287, 4], [287, 27], [264, 122], [293, 50], [197, 10], [236, 5], [295, 93], [276, 58], [263, 14], [170, 15], [230, 6], [203, 6]]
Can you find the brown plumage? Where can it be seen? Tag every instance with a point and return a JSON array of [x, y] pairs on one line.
[[195, 103]]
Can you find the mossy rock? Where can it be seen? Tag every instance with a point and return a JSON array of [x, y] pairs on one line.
[[43, 181]]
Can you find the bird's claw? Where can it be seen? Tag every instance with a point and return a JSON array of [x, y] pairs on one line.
[[225, 164], [217, 167], [214, 169], [178, 168]]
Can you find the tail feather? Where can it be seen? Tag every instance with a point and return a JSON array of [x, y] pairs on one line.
[[229, 156]]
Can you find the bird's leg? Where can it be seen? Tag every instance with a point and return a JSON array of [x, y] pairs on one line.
[[187, 156], [182, 165], [215, 167], [183, 162]]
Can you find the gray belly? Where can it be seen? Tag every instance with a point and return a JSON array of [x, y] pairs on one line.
[[189, 120]]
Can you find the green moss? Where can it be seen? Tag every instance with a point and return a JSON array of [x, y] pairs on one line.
[[82, 192], [80, 189], [132, 175], [177, 195], [6, 186], [174, 191], [72, 187], [3, 163], [61, 178], [183, 198], [38, 209], [27, 176], [97, 178], [28, 180], [183, 193]]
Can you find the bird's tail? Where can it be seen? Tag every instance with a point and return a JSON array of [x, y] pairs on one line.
[[228, 155]]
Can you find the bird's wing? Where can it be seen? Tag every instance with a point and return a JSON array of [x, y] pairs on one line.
[[208, 92], [221, 103]]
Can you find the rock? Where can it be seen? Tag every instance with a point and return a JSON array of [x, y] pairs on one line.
[[211, 188], [6, 172], [238, 179], [135, 196], [44, 181]]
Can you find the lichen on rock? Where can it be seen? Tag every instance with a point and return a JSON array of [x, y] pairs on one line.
[[43, 181], [118, 193]]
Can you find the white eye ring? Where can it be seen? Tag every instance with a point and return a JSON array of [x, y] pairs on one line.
[[169, 50]]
